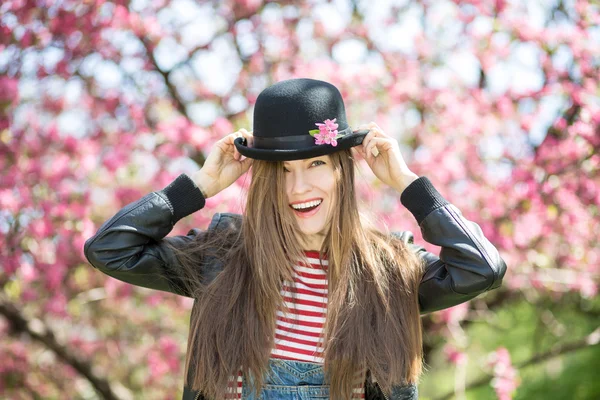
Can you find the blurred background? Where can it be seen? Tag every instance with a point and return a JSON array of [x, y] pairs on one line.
[[496, 102]]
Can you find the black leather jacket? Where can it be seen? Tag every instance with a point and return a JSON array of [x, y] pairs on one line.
[[130, 247]]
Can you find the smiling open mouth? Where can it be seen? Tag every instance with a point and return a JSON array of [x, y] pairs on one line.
[[305, 210], [311, 209]]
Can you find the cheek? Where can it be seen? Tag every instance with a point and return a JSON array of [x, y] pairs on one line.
[[331, 179], [328, 185], [331, 192], [324, 181]]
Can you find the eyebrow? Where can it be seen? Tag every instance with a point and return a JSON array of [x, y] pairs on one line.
[[306, 160]]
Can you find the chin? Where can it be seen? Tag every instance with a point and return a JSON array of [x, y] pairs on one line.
[[313, 230], [311, 233]]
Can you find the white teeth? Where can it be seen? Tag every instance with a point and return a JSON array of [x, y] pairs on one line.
[[307, 205]]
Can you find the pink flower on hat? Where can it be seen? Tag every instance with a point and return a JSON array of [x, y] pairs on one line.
[[327, 132]]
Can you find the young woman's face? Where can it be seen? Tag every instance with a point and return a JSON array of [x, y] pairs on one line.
[[311, 182]]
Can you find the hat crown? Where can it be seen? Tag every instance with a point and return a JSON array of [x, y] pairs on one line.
[[294, 106], [286, 113]]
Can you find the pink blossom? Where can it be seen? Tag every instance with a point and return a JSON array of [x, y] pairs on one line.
[[455, 356], [41, 228], [454, 314], [158, 367], [198, 138], [505, 380], [115, 159], [28, 272], [586, 285], [8, 201], [85, 346], [26, 39], [169, 346], [327, 132], [222, 126], [53, 273], [5, 35], [15, 358], [250, 5], [500, 5], [560, 123], [173, 129], [64, 69], [154, 300], [257, 63], [29, 294], [116, 289], [505, 107], [10, 265], [126, 195], [328, 125], [57, 305], [9, 91], [326, 138], [165, 359]]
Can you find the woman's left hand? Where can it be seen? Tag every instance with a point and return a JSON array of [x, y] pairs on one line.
[[382, 154]]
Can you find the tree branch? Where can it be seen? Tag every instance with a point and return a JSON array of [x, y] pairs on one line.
[[179, 104], [41, 333]]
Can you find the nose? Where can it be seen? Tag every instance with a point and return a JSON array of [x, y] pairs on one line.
[[300, 183]]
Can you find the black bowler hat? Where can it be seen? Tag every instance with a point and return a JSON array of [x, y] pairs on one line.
[[286, 115]]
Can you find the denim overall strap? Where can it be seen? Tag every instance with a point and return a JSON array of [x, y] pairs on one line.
[[289, 380]]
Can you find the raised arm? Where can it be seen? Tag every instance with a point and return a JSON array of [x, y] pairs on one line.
[[468, 264], [132, 245]]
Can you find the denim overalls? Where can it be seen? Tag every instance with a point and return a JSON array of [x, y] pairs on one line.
[[298, 380], [290, 380]]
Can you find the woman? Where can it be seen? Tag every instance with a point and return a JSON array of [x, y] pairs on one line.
[[300, 297]]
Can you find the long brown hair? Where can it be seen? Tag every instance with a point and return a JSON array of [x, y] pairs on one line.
[[373, 318]]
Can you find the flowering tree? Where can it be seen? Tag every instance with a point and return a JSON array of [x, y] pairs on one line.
[[103, 101]]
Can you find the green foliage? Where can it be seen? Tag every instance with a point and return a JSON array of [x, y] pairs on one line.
[[527, 330], [573, 376]]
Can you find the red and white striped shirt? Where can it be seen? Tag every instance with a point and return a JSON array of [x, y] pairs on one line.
[[298, 334]]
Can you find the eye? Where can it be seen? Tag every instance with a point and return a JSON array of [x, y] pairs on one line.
[[316, 161]]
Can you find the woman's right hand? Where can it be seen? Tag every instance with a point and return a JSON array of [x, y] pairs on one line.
[[224, 165]]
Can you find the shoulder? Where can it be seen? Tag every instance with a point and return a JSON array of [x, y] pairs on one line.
[[221, 221], [405, 236], [408, 238]]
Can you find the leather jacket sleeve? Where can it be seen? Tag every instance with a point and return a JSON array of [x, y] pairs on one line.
[[468, 264], [130, 246]]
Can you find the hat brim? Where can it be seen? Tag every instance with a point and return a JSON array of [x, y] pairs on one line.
[[345, 142]]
